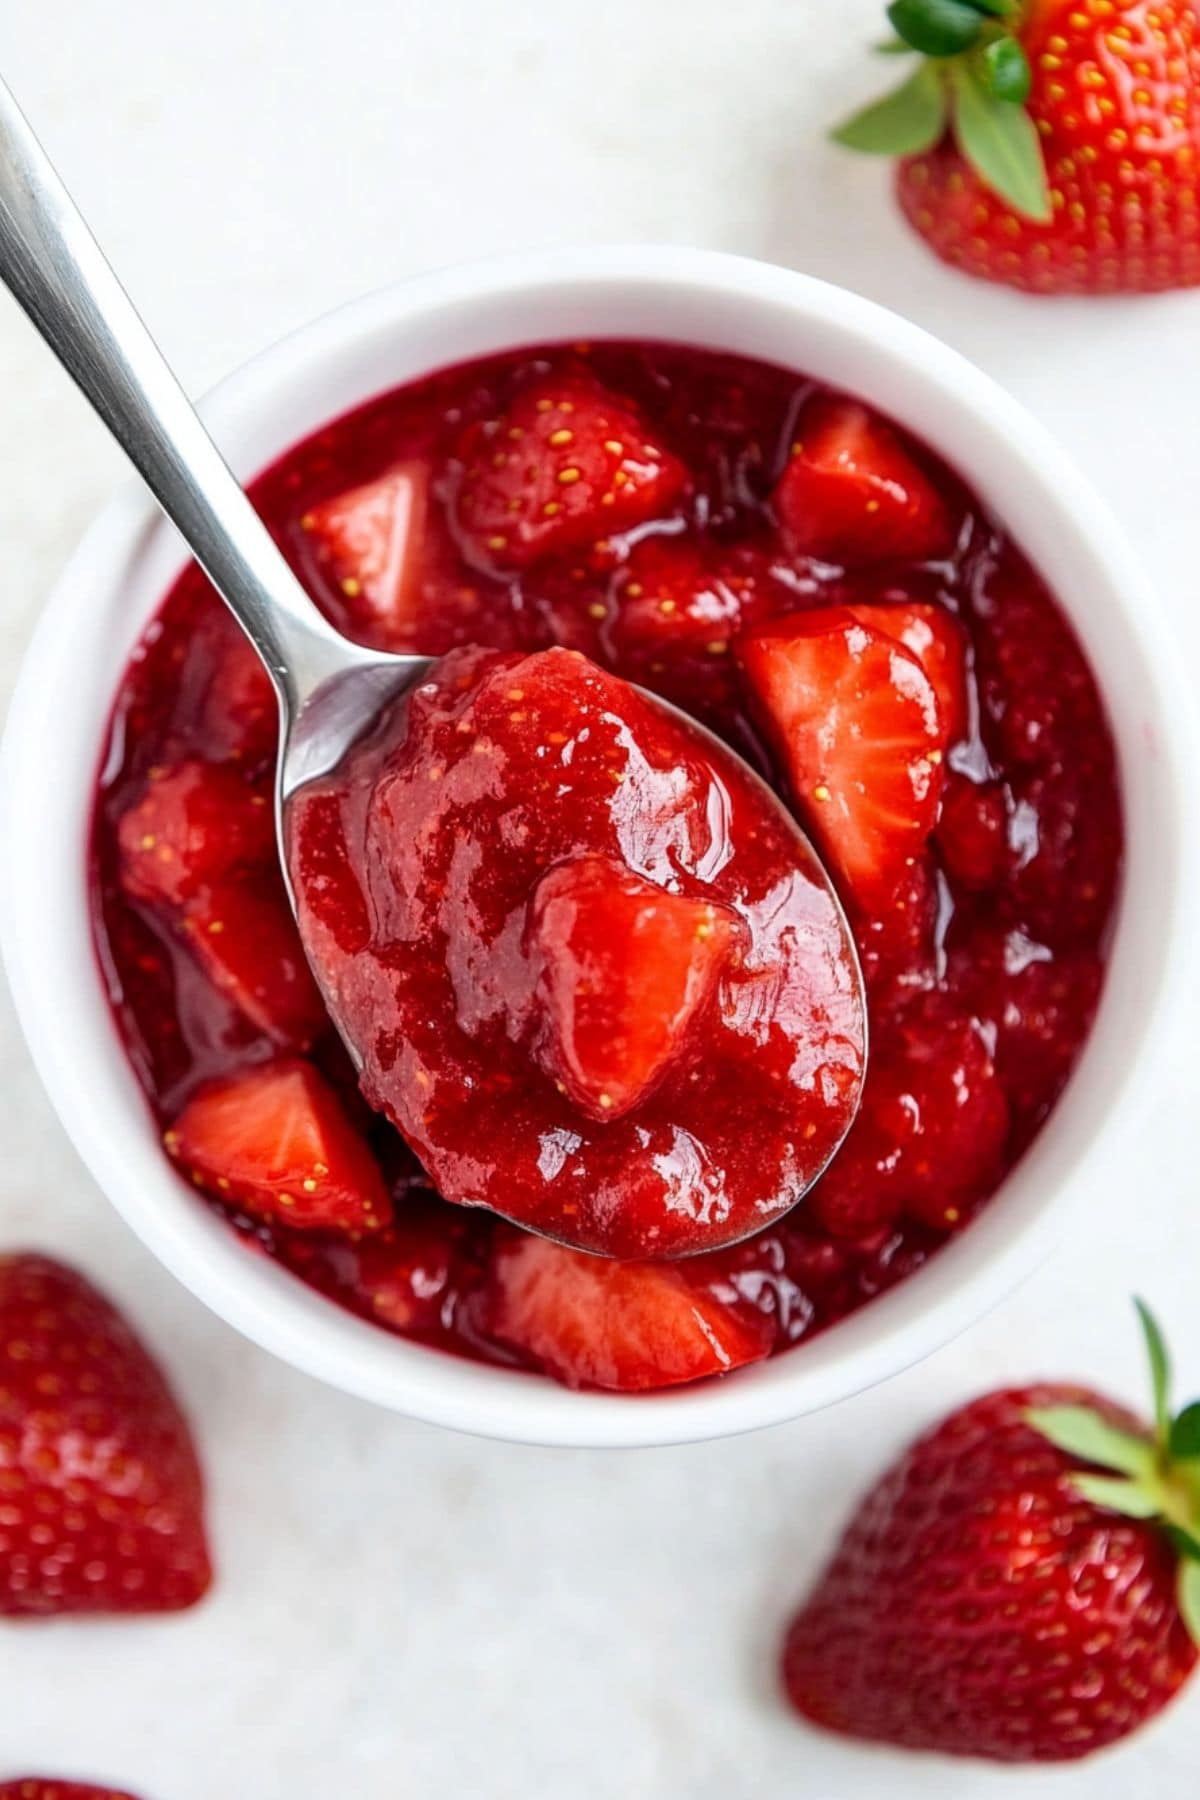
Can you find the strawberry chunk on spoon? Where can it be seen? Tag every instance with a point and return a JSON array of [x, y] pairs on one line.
[[624, 967]]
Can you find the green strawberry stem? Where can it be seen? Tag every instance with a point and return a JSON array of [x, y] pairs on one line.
[[973, 80], [1155, 1475]]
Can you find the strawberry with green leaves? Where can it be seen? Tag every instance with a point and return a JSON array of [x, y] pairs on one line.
[[1050, 144], [1023, 1585], [101, 1494]]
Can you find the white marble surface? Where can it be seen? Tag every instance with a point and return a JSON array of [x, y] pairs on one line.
[[400, 1610]]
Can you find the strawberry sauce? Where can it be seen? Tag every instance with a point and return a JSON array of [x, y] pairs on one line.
[[745, 543]]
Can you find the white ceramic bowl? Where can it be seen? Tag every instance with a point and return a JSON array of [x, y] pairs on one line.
[[128, 560]]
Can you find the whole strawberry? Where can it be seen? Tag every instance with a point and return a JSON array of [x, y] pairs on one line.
[[100, 1489], [1050, 144], [993, 1599], [39, 1787]]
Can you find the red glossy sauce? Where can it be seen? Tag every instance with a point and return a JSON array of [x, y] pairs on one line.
[[468, 834], [984, 963]]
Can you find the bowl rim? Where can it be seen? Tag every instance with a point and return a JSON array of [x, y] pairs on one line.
[[97, 1104]]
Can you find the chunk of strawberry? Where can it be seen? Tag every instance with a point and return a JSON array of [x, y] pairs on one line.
[[972, 833], [852, 495], [623, 970], [628, 1326], [666, 616], [367, 542], [930, 1136], [897, 940], [566, 464], [277, 1142], [239, 714], [935, 637], [409, 1277], [673, 599], [193, 824], [856, 724], [405, 1276], [244, 936]]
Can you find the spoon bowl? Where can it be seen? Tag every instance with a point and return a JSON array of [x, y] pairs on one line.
[[505, 907]]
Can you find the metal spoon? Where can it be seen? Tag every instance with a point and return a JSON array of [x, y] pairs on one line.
[[329, 689]]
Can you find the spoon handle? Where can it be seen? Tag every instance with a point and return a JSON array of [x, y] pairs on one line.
[[55, 269]]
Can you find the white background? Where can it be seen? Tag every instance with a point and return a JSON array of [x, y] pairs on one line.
[[400, 1610]]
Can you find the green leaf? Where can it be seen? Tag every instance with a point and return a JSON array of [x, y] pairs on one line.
[[1081, 1432], [1006, 70], [1185, 1542], [936, 27], [1189, 1598], [911, 119], [1001, 143], [893, 47], [1128, 1497], [1183, 1439], [997, 9], [1160, 1369]]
